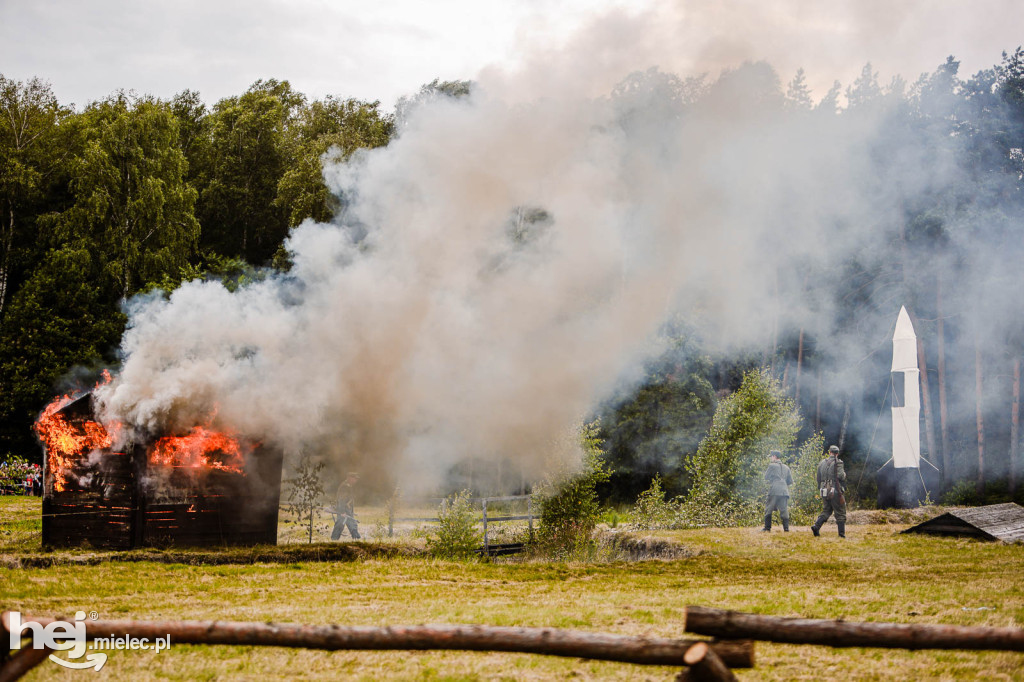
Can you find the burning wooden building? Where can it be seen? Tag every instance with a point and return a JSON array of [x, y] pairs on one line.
[[199, 488]]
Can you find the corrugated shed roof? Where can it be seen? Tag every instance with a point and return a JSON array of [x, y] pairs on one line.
[[992, 522]]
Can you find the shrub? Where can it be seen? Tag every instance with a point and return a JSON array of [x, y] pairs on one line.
[[804, 499], [381, 527], [727, 469], [306, 490], [652, 511], [568, 506], [457, 536], [961, 493], [612, 518]]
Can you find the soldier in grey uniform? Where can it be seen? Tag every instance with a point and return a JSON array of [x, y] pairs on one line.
[[346, 509], [831, 477], [779, 479]]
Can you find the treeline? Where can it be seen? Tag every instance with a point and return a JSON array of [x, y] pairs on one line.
[[133, 193], [945, 169]]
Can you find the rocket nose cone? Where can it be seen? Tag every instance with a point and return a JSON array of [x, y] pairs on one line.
[[904, 327]]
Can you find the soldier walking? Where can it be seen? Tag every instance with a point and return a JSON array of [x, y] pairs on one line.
[[831, 477], [779, 479], [346, 509]]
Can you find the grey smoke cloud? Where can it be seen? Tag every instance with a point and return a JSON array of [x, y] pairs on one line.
[[504, 263], [386, 49], [831, 41]]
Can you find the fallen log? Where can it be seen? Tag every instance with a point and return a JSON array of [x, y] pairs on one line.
[[20, 662], [704, 666], [838, 633], [547, 641]]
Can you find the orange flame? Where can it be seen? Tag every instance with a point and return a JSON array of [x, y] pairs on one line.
[[68, 441], [201, 448], [65, 441]]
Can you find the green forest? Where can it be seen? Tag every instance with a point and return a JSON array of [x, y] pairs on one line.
[[134, 195]]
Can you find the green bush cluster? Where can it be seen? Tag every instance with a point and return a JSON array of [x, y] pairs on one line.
[[652, 511], [456, 536], [727, 470], [568, 504], [804, 499]]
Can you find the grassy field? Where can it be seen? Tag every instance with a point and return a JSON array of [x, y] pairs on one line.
[[874, 574]]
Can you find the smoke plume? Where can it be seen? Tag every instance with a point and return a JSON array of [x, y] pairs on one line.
[[505, 262]]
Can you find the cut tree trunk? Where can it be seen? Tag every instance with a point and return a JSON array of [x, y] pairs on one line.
[[947, 473], [926, 396], [6, 243], [846, 421], [19, 663], [775, 325], [1014, 427], [926, 403], [979, 393], [704, 666], [817, 405], [547, 641], [799, 366], [839, 633]]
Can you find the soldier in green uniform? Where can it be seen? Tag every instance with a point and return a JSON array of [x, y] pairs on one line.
[[346, 509], [779, 479], [831, 477]]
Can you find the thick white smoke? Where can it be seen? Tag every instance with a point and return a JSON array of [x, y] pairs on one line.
[[506, 260]]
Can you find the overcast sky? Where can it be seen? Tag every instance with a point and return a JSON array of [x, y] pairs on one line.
[[386, 48]]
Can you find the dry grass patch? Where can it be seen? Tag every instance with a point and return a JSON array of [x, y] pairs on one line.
[[875, 574], [20, 523]]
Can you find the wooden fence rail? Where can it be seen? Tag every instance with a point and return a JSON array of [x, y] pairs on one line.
[[546, 641], [839, 633], [704, 659], [485, 519]]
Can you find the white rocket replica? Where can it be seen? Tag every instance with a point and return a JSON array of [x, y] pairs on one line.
[[906, 395]]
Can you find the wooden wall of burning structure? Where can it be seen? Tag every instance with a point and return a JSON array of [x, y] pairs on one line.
[[200, 488]]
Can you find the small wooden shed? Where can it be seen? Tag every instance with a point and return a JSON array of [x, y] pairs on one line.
[[123, 500], [1003, 522]]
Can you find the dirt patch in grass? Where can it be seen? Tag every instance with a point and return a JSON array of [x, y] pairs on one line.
[[864, 517], [633, 547], [266, 554]]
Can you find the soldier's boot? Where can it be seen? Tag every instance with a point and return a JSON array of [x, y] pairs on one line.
[[785, 525], [767, 523], [842, 528], [814, 529]]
